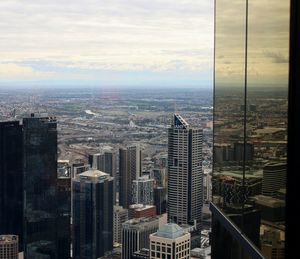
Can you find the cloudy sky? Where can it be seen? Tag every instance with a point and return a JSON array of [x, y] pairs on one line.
[[106, 43]]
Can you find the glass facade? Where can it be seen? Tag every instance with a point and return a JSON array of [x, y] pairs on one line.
[[250, 125], [41, 236], [11, 180], [92, 194]]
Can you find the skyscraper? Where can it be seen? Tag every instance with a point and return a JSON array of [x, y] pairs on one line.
[[120, 217], [142, 190], [160, 200], [40, 189], [11, 179], [170, 241], [135, 235], [92, 214], [9, 247], [129, 170], [185, 187], [274, 178]]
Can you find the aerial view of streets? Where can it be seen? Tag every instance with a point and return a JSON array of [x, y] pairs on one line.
[[93, 120]]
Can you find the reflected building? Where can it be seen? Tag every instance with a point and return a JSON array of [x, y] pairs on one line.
[[250, 126], [185, 177], [92, 214], [41, 237], [11, 179]]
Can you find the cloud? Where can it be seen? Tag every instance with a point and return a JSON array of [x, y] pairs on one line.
[[276, 57], [107, 34]]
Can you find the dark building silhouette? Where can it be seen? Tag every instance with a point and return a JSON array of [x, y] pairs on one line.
[[92, 214], [160, 200], [11, 179], [129, 170], [42, 218]]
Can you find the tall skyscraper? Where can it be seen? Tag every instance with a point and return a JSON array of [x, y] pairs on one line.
[[105, 162], [142, 190], [129, 169], [9, 247], [185, 186], [160, 200], [170, 241], [11, 179], [250, 118], [92, 214], [120, 217], [135, 235], [40, 189], [274, 178]]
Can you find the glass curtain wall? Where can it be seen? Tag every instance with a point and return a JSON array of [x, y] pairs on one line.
[[250, 118]]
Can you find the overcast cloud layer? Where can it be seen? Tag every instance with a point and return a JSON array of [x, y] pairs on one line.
[[106, 42]]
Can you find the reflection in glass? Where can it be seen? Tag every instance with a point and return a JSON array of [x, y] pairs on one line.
[[250, 119]]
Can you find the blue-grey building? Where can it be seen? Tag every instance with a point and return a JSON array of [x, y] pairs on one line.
[[92, 214]]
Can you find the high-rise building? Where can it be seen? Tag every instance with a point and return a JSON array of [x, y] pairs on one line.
[[11, 179], [160, 200], [185, 186], [129, 169], [40, 190], [64, 207], [274, 178], [120, 217], [78, 168], [170, 241], [142, 190], [9, 246], [105, 162], [250, 116], [135, 235], [92, 214]]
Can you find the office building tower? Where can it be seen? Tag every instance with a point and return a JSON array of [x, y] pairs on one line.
[[129, 170], [250, 116], [120, 217], [9, 246], [142, 190], [78, 168], [272, 244], [11, 179], [135, 235], [274, 178], [160, 200], [41, 237], [105, 162], [185, 186], [160, 176], [170, 241], [92, 214], [64, 207]]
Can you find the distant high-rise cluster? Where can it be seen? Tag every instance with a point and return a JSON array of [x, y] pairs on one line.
[[59, 210]]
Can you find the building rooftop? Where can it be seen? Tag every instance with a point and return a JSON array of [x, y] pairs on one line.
[[8, 239], [179, 122], [170, 230], [93, 175], [269, 201]]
